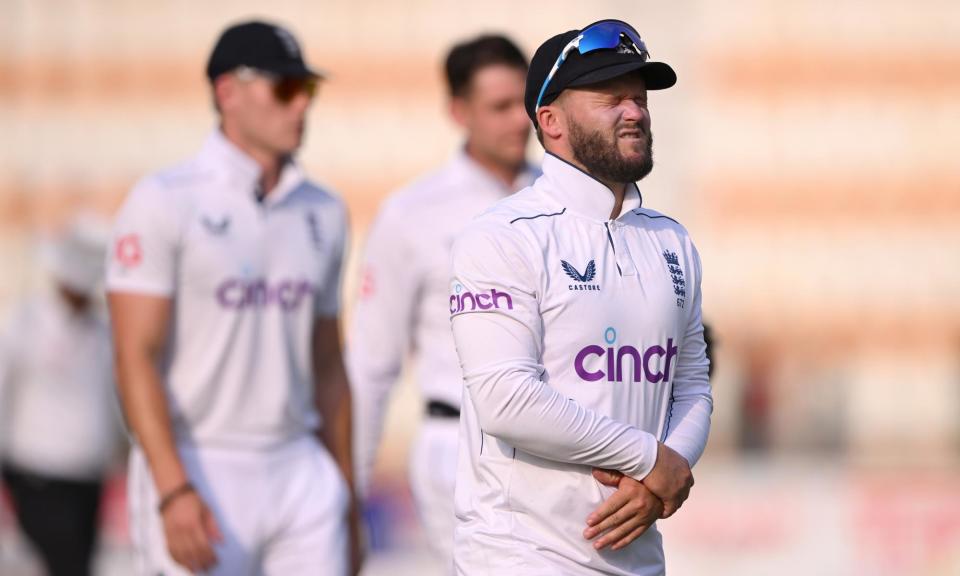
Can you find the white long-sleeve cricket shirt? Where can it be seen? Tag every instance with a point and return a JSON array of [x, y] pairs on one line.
[[400, 313], [581, 344]]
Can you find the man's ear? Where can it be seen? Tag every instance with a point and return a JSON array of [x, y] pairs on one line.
[[552, 121], [224, 91], [459, 111]]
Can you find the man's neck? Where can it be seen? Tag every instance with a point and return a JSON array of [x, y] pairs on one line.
[[618, 195], [618, 189], [76, 302], [506, 174], [270, 163]]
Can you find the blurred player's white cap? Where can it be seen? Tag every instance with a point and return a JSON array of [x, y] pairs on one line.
[[75, 256]]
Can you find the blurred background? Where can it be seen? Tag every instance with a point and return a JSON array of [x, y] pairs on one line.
[[810, 147]]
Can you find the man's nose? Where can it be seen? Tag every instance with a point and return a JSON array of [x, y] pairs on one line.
[[633, 111], [301, 101]]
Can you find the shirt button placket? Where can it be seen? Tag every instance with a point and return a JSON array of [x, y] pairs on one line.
[[624, 259]]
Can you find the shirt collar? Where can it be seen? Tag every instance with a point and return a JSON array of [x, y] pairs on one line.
[[582, 193], [465, 164], [243, 172]]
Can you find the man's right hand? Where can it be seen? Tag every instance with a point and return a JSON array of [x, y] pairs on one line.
[[625, 515], [670, 480], [191, 532]]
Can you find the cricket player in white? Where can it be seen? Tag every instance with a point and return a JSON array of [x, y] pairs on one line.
[[223, 293], [576, 317], [400, 311]]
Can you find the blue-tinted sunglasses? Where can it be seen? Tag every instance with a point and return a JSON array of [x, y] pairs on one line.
[[604, 35]]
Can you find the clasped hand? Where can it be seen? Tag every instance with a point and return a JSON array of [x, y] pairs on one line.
[[635, 505]]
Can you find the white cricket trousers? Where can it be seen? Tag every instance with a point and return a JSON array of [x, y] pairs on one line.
[[433, 476], [282, 512]]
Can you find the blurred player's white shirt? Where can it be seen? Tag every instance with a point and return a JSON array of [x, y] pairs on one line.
[[401, 309], [247, 279], [582, 345], [58, 416]]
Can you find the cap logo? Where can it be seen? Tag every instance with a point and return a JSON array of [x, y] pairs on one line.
[[288, 41], [625, 48]]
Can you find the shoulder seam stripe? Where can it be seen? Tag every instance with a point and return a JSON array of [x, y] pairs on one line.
[[538, 216], [639, 213]]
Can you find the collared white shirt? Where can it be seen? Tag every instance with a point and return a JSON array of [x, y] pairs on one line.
[[401, 309], [247, 279], [581, 343], [58, 413]]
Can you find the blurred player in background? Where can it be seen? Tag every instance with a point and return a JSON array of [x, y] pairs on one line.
[[59, 425], [402, 311], [576, 316], [223, 287]]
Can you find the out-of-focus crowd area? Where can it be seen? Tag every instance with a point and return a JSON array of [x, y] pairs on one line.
[[809, 147]]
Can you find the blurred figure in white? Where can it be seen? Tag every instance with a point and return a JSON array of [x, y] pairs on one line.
[[402, 307], [59, 427], [224, 297]]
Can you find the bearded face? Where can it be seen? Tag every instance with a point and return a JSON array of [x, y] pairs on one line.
[[623, 153], [607, 128]]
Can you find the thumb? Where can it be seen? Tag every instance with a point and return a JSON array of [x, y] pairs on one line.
[[210, 524], [669, 508], [607, 477]]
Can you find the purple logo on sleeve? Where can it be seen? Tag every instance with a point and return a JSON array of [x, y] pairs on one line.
[[242, 293], [613, 371], [463, 301]]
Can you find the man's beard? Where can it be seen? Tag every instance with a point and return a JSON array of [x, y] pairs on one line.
[[602, 158]]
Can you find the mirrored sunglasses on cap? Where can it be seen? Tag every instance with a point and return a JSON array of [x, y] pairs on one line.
[[285, 88], [604, 35]]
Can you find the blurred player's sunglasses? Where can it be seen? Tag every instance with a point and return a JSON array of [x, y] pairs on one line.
[[603, 35], [285, 88]]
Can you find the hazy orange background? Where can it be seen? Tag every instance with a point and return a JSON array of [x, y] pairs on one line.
[[809, 147]]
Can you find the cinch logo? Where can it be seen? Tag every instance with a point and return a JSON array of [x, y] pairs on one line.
[[238, 293], [615, 361], [461, 301]]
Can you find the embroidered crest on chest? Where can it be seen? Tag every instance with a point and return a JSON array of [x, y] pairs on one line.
[[313, 228], [676, 276]]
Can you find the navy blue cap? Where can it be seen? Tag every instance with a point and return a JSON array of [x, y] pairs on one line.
[[259, 45], [584, 69]]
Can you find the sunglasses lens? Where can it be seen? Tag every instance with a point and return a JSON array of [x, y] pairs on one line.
[[310, 87], [287, 88], [599, 37], [606, 35]]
